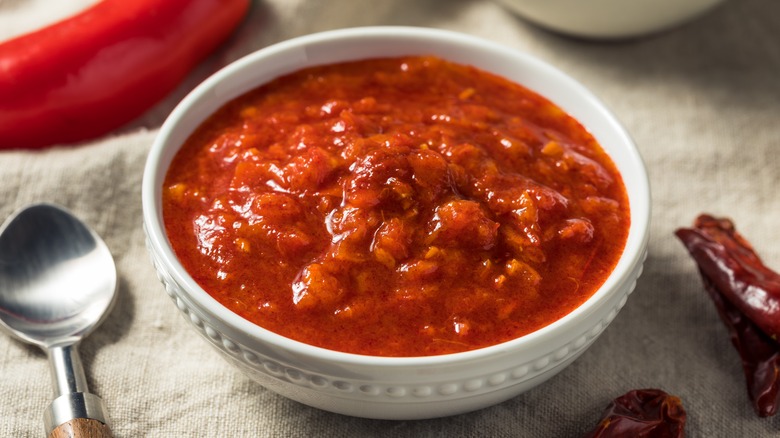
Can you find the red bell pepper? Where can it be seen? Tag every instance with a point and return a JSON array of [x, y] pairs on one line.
[[92, 73]]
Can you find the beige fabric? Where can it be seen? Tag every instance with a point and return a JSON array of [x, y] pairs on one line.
[[701, 101]]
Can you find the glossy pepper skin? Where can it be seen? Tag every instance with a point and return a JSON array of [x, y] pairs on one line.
[[727, 262], [734, 269], [760, 354], [91, 73], [645, 413]]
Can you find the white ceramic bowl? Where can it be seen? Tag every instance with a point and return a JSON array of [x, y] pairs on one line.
[[609, 19], [386, 387]]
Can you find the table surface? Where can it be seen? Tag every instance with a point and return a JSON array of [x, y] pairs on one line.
[[702, 102]]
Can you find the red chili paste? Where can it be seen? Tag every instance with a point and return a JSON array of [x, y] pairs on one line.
[[396, 207]]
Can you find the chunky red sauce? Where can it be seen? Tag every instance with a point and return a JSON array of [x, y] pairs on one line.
[[396, 207]]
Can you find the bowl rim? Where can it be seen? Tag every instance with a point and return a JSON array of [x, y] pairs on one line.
[[633, 252]]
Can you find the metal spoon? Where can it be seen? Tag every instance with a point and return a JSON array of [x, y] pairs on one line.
[[57, 283]]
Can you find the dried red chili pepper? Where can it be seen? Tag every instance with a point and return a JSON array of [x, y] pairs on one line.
[[91, 73], [648, 413], [735, 270], [760, 353]]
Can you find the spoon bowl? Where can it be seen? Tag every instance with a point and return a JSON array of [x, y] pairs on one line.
[[54, 273], [57, 284]]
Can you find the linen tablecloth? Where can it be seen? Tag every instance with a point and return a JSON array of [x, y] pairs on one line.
[[702, 102]]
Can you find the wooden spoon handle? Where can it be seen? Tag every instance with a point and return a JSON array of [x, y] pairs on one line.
[[77, 415], [81, 428]]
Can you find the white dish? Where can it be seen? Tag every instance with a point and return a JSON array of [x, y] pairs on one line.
[[385, 387], [609, 19]]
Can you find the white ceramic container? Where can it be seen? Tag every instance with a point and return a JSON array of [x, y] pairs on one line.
[[609, 19], [385, 387]]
